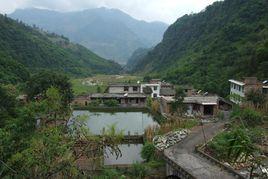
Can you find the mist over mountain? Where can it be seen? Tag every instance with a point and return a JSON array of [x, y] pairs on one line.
[[110, 33]]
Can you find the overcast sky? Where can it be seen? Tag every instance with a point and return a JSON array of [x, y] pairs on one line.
[[150, 10]]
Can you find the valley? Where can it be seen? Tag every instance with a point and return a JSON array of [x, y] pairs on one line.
[[97, 93]]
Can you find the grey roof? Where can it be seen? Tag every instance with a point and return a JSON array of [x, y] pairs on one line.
[[202, 99], [167, 92], [115, 95], [123, 84]]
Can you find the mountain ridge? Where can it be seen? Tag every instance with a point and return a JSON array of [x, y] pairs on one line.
[[25, 50], [116, 34]]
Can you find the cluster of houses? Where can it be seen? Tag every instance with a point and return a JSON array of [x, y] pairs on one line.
[[198, 103]]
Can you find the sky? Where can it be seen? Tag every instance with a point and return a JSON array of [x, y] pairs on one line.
[[149, 10]]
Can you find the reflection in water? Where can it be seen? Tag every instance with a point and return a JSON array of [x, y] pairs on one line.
[[130, 122], [130, 155], [133, 122]]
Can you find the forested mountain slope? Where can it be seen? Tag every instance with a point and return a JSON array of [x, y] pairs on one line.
[[24, 50], [136, 57], [229, 39], [110, 33]]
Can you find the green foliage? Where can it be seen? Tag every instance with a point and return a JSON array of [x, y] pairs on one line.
[[49, 152], [148, 151], [46, 150], [256, 97], [40, 82], [227, 40], [149, 102], [139, 170], [24, 49], [232, 145], [251, 117], [248, 116], [108, 173], [111, 103]]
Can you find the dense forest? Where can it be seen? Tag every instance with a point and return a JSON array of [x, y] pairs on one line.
[[25, 50], [229, 39], [136, 57]]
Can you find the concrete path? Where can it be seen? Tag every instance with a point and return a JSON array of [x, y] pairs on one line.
[[184, 154]]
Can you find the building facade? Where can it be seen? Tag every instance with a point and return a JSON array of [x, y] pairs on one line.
[[155, 89], [239, 89], [124, 88]]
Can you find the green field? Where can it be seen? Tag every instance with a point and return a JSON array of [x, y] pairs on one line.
[[99, 83]]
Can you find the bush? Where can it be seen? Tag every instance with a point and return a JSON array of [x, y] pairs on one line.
[[95, 103], [251, 117], [111, 103], [139, 170], [148, 151], [232, 145]]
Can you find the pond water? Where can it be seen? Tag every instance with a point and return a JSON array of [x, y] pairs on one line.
[[130, 154], [130, 122]]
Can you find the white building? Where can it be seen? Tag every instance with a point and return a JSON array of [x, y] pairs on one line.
[[154, 87], [239, 89]]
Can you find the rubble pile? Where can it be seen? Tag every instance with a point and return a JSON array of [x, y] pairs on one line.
[[169, 139]]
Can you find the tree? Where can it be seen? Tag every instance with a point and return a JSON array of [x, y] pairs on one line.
[[52, 149], [7, 106], [40, 82]]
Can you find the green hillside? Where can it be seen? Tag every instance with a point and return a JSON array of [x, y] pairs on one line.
[[229, 39], [24, 49]]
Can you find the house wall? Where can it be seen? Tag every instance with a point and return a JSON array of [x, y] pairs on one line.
[[155, 89], [80, 101], [237, 92], [165, 105], [120, 89], [133, 102]]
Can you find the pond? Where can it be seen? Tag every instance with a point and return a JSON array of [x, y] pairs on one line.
[[130, 122], [133, 122]]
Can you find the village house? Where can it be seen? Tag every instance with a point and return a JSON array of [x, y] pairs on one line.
[[124, 100], [82, 100], [239, 89], [198, 105], [155, 89], [123, 88]]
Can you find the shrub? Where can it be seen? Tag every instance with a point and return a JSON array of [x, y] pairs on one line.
[[148, 151], [232, 145], [111, 103], [139, 170], [251, 117]]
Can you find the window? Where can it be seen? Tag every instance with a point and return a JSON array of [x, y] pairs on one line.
[[135, 88], [125, 88], [239, 88], [142, 100], [137, 100], [155, 88], [155, 95]]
